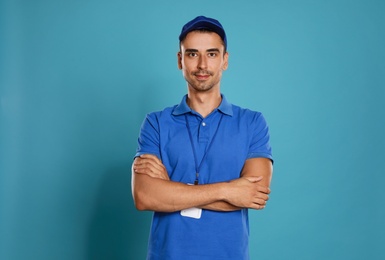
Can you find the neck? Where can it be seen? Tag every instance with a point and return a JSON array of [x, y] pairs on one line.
[[204, 103]]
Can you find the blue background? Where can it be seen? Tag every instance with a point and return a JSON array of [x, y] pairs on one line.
[[78, 77]]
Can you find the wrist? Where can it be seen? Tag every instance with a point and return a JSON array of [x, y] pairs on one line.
[[224, 191]]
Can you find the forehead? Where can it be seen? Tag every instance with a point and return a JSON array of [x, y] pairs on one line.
[[202, 41]]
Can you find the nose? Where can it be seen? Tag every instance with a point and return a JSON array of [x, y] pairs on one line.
[[202, 63]]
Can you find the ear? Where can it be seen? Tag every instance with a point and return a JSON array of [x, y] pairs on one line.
[[225, 61], [179, 55]]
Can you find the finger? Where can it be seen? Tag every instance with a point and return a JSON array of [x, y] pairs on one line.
[[141, 168], [257, 206], [149, 167], [144, 158], [146, 169], [143, 164], [262, 196], [151, 156], [150, 172], [260, 202], [153, 161], [148, 162], [260, 207], [140, 160], [263, 189]]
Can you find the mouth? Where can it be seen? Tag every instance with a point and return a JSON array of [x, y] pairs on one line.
[[202, 77]]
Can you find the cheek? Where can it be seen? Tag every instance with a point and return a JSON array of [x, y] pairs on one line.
[[218, 69], [186, 72], [188, 68], [217, 65]]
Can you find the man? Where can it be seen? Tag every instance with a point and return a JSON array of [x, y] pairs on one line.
[[202, 164]]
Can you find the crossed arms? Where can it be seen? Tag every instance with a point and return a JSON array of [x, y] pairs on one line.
[[153, 190]]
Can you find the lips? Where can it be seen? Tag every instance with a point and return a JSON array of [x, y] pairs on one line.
[[202, 76]]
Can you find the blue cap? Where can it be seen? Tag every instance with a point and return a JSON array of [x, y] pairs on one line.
[[204, 23]]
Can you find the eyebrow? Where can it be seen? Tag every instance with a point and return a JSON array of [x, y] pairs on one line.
[[208, 50], [191, 50]]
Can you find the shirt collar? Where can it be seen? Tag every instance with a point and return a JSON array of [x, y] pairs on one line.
[[225, 107]]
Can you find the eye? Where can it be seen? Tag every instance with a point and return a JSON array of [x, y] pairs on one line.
[[212, 54], [192, 54]]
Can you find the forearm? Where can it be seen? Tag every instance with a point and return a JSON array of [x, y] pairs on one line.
[[168, 196], [253, 167], [152, 190], [221, 206]]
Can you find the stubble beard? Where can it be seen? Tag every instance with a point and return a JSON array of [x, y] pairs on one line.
[[201, 86]]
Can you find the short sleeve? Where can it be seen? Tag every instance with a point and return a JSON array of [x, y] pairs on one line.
[[148, 141], [260, 138]]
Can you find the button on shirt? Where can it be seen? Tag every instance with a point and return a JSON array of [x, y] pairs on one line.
[[242, 134]]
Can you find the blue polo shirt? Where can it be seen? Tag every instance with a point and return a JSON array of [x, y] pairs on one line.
[[242, 134]]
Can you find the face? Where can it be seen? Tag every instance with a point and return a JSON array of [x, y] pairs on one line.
[[202, 60]]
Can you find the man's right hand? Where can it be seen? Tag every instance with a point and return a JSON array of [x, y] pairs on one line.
[[150, 165]]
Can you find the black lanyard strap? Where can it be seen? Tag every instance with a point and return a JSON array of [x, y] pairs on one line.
[[198, 167]]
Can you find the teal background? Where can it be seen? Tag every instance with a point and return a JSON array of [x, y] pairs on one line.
[[78, 77]]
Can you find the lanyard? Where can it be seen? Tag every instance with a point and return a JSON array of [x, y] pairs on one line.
[[198, 167]]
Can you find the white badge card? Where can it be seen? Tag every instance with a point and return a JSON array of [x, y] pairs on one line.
[[192, 213]]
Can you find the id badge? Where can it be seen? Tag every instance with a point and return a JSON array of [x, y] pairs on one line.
[[192, 213]]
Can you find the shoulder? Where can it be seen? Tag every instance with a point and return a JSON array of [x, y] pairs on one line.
[[165, 113], [155, 120], [247, 114]]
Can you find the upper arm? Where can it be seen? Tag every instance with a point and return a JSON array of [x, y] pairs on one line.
[[259, 167], [260, 138], [148, 141], [259, 160]]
